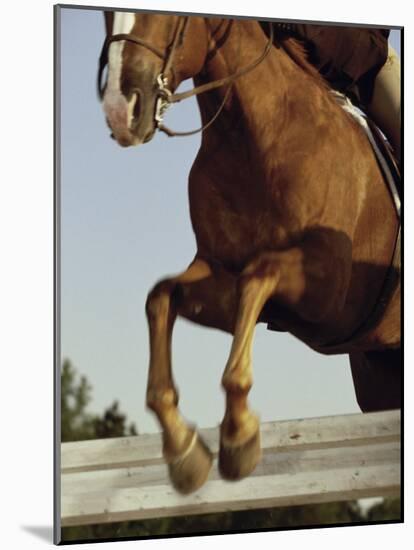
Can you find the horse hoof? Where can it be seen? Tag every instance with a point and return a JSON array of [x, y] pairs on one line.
[[189, 471], [236, 462]]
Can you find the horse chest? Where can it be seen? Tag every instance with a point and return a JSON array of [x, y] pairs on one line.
[[234, 231], [229, 236], [238, 209]]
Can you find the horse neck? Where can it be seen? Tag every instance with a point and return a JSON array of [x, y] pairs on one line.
[[260, 100], [253, 94]]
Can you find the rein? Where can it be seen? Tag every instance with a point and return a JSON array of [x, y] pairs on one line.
[[165, 97]]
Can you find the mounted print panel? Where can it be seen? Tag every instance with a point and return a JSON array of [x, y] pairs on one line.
[[228, 207]]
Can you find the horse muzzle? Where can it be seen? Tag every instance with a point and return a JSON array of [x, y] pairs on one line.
[[131, 118]]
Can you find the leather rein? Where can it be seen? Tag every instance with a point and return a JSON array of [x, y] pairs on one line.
[[165, 97]]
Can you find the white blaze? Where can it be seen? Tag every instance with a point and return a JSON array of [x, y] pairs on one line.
[[123, 23], [118, 110]]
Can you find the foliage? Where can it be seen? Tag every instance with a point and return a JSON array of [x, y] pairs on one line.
[[336, 513], [76, 423], [389, 508], [112, 424]]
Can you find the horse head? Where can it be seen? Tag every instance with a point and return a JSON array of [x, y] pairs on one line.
[[147, 56]]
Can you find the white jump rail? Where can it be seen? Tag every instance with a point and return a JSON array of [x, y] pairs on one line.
[[304, 461]]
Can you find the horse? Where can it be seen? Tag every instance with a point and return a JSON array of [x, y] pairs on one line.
[[294, 224]]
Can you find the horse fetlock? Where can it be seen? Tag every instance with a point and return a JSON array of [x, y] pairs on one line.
[[160, 400], [237, 381]]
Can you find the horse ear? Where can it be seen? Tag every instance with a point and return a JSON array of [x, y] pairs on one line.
[[109, 21]]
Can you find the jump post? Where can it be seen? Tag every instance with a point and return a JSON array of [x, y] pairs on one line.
[[315, 460]]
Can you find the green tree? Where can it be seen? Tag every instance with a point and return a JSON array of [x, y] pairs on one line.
[[76, 422], [113, 424]]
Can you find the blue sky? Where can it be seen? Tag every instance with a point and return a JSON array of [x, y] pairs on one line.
[[124, 225]]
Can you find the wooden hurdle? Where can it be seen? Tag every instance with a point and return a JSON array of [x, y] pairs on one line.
[[304, 461]]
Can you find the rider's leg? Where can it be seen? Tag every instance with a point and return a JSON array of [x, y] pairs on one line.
[[385, 106]]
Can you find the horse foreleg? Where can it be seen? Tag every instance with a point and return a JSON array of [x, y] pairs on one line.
[[188, 458], [298, 278], [240, 434]]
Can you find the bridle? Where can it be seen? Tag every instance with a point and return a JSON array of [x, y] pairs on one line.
[[165, 97]]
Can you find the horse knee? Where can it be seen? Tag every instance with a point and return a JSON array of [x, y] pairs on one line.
[[158, 301]]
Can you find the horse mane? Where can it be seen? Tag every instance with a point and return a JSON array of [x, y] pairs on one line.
[[296, 49], [298, 52]]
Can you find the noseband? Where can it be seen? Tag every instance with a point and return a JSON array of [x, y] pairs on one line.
[[165, 97]]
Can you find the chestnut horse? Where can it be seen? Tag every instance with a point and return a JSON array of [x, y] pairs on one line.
[[294, 224]]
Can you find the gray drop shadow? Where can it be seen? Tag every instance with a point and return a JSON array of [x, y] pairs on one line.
[[43, 532]]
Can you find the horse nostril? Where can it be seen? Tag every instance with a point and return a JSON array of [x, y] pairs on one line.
[[149, 135], [135, 107]]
